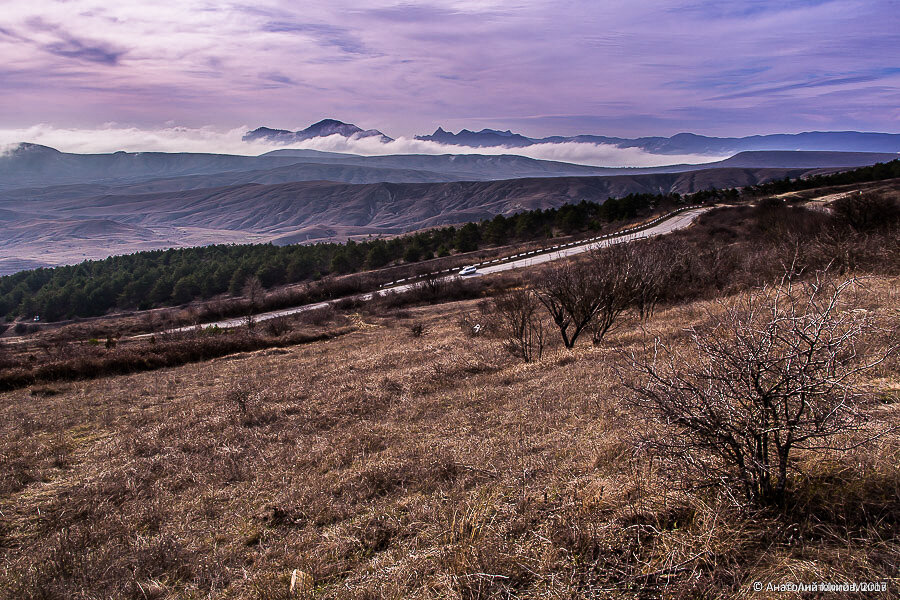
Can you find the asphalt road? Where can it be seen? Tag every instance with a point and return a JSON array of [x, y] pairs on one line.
[[679, 221]]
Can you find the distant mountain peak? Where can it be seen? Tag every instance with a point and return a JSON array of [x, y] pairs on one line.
[[27, 148], [329, 123], [323, 128], [507, 133], [477, 139]]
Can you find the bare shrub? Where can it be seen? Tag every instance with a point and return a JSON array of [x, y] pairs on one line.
[[615, 282], [653, 274], [417, 329], [277, 326], [777, 373], [568, 292], [255, 293], [432, 287], [516, 318], [317, 316], [6, 355], [867, 211], [593, 294], [247, 400]]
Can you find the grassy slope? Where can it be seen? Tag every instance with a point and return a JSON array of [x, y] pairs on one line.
[[392, 466]]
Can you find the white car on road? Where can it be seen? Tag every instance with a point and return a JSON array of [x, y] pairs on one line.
[[471, 269]]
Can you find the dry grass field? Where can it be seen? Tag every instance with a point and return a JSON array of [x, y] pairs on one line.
[[413, 462]]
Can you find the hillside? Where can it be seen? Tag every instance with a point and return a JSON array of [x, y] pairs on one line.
[[144, 201], [35, 166], [386, 206], [299, 212], [32, 165], [420, 446], [380, 464]]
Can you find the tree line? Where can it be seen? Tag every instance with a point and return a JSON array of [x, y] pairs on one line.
[[176, 276]]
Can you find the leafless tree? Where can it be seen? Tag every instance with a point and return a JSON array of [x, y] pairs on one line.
[[653, 266], [254, 292], [615, 277], [568, 292], [777, 373], [517, 320], [431, 288], [593, 293]]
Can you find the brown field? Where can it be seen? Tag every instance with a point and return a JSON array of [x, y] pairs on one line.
[[400, 462]]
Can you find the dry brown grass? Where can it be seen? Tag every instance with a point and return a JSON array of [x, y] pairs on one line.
[[391, 465]]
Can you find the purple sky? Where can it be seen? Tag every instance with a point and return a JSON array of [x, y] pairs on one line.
[[539, 67]]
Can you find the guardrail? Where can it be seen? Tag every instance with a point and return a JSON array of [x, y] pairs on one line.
[[549, 249]]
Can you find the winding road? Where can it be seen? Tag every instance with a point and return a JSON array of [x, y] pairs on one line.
[[663, 226]]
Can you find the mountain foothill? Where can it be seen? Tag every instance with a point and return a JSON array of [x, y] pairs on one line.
[[62, 208]]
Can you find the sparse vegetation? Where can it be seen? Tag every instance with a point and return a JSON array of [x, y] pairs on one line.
[[74, 359], [517, 319], [386, 467], [177, 276], [480, 458], [777, 372]]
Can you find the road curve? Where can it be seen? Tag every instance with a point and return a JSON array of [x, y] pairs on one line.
[[678, 221]]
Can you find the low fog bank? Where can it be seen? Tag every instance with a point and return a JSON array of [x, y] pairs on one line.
[[112, 137]]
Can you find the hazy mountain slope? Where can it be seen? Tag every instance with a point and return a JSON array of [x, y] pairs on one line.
[[462, 166], [803, 159], [65, 228], [61, 175], [31, 165], [480, 166], [392, 206], [687, 143], [290, 173]]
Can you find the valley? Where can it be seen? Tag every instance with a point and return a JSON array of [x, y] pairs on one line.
[[93, 206]]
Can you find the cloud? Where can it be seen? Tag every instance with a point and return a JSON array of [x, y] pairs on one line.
[[67, 45], [70, 47], [277, 78], [600, 155], [834, 81], [7, 148], [636, 68], [325, 34], [112, 137]]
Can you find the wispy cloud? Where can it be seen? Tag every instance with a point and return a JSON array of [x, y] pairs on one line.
[[112, 137], [277, 78], [328, 35], [64, 44], [634, 68], [826, 82]]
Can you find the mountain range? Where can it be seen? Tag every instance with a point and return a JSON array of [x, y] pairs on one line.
[[323, 128], [62, 208], [681, 143], [686, 143], [33, 170]]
